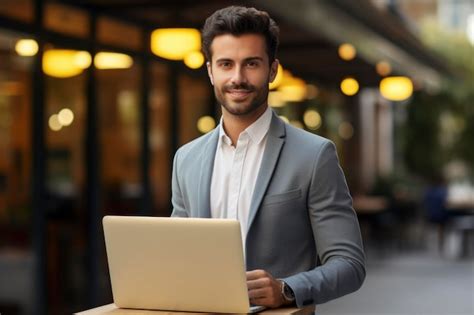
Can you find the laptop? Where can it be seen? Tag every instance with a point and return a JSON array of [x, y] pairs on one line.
[[177, 264]]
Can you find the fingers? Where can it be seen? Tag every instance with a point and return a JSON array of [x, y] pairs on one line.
[[263, 289], [259, 283], [257, 274], [259, 293]]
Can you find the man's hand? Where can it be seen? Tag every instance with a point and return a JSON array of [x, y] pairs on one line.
[[264, 289]]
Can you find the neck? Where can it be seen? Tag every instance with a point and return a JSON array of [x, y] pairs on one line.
[[234, 125]]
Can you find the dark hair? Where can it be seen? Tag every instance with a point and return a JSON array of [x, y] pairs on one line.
[[237, 21]]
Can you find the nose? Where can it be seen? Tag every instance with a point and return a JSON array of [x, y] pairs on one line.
[[238, 76]]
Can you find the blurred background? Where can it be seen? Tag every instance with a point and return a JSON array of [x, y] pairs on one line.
[[97, 95]]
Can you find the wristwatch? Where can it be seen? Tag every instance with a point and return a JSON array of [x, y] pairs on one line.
[[287, 292]]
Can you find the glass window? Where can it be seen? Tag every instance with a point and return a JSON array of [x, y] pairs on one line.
[[120, 145], [195, 100], [113, 32], [65, 19], [65, 104], [160, 136], [17, 9], [16, 253]]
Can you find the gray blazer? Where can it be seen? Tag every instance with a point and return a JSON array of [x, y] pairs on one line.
[[302, 227]]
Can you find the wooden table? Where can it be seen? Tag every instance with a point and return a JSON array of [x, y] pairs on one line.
[[368, 205], [112, 309]]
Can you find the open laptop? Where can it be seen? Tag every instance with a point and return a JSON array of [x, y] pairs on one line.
[[177, 264]]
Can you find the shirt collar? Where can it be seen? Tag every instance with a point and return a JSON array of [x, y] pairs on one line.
[[256, 131], [259, 128], [223, 137]]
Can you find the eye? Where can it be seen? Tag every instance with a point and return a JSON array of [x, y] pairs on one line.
[[225, 64], [252, 64]]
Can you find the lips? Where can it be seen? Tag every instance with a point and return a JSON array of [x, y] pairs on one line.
[[239, 93]]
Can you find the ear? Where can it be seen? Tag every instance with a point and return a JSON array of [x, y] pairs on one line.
[[209, 72], [274, 69]]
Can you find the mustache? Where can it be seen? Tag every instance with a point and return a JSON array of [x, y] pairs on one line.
[[242, 86]]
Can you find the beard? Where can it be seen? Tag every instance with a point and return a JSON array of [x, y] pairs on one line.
[[256, 99]]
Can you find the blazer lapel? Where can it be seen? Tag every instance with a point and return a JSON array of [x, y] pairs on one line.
[[275, 140], [207, 167]]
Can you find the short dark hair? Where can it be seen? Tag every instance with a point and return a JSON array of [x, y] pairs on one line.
[[237, 20]]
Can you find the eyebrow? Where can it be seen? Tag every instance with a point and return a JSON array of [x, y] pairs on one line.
[[253, 58], [223, 60], [245, 60]]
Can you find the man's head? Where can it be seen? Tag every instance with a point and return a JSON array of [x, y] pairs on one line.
[[240, 46], [237, 21]]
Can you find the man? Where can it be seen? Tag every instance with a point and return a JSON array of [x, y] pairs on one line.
[[300, 234]]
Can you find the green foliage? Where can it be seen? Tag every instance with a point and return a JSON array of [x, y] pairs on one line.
[[452, 45], [423, 154], [440, 127]]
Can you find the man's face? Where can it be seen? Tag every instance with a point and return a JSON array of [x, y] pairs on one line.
[[240, 73]]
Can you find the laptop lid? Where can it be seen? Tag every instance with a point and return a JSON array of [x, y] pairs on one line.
[[177, 264]]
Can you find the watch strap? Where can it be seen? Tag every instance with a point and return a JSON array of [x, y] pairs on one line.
[[287, 292]]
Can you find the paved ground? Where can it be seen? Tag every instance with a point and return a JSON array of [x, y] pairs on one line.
[[419, 282]]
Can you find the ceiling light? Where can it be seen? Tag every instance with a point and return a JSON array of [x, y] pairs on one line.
[[54, 123], [278, 78], [312, 119], [293, 89], [349, 86], [206, 124], [396, 88], [65, 117], [64, 63], [194, 59], [175, 43], [110, 60], [347, 52], [383, 68], [26, 47]]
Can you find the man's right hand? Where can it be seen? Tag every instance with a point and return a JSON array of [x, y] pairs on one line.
[[264, 290]]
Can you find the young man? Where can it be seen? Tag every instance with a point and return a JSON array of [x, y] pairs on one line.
[[300, 234]]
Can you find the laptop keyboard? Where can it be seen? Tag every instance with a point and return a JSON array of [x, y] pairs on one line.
[[256, 308]]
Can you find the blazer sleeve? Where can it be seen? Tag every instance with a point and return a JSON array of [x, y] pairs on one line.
[[336, 233], [179, 209]]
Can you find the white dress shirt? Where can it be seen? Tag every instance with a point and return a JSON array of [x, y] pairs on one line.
[[235, 171]]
